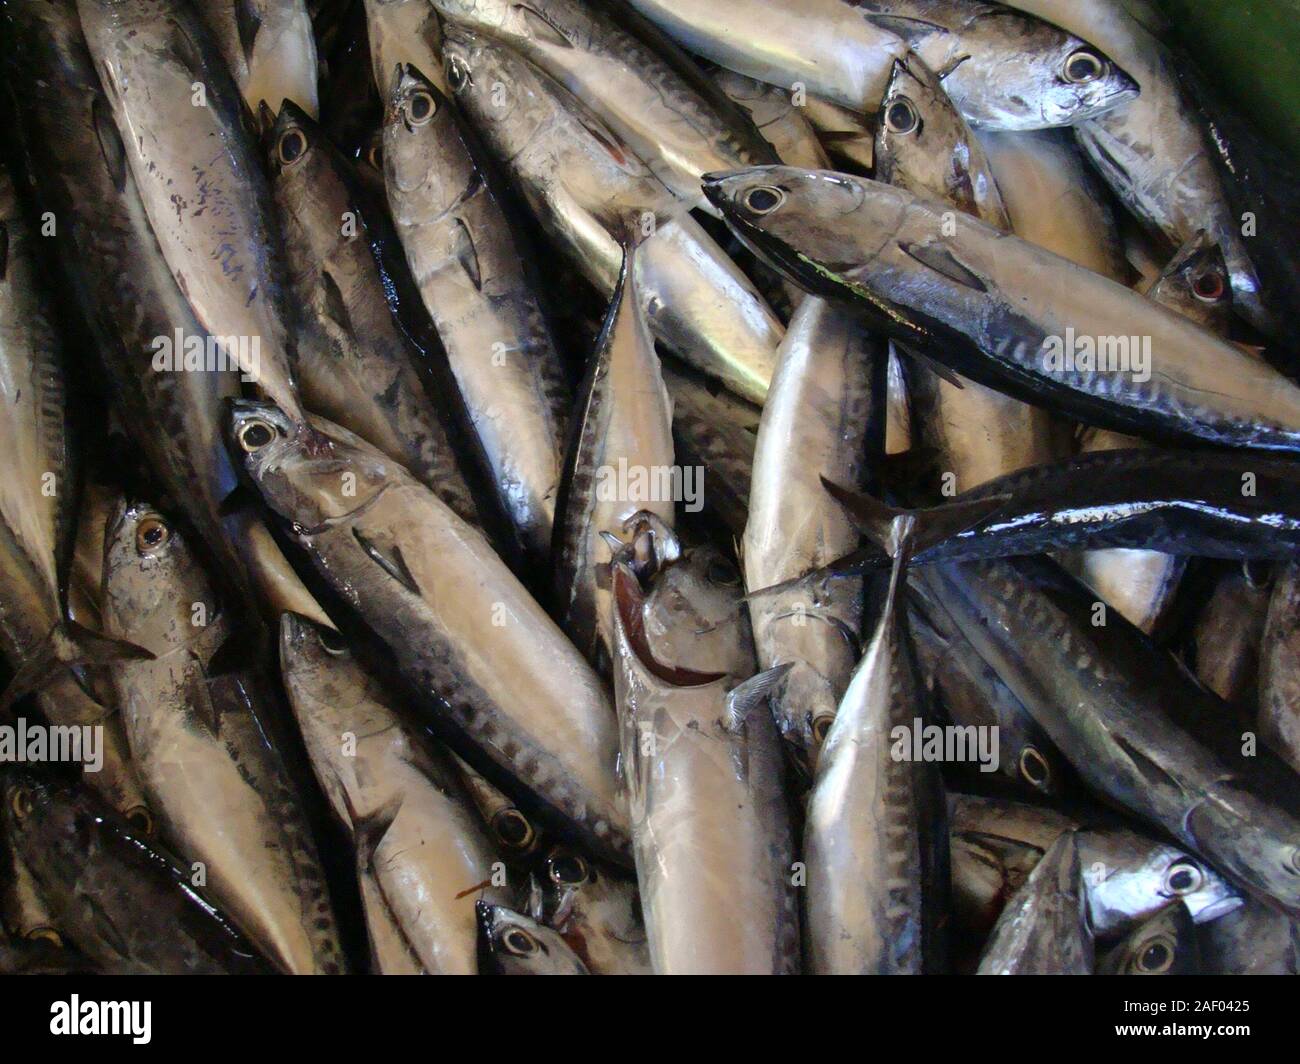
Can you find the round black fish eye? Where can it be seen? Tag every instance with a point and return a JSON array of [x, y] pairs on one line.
[[420, 108], [141, 819], [1034, 767], [292, 146], [1084, 66], [150, 534], [519, 942], [331, 641], [256, 435], [821, 727], [1155, 958], [457, 75], [1209, 287], [901, 116], [21, 803], [1182, 878], [764, 200], [568, 869], [514, 829]]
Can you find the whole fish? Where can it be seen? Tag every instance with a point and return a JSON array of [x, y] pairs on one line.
[[623, 429], [1003, 69], [269, 48], [126, 904], [1007, 313], [173, 410], [1279, 669], [1137, 729], [638, 93], [199, 180], [1152, 149], [597, 912], [715, 432], [875, 840], [824, 417], [587, 187], [404, 33], [199, 741], [1044, 929], [514, 944], [492, 669], [358, 368], [468, 264], [923, 145], [702, 765], [38, 500], [418, 836], [1164, 945]]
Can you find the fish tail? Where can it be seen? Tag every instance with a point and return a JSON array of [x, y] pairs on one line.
[[68, 647]]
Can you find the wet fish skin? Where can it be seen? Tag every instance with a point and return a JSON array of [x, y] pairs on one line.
[[877, 879], [516, 698], [1139, 732], [848, 136], [1227, 638], [924, 146], [420, 843], [198, 177], [514, 944], [596, 911], [404, 33], [623, 421], [1253, 940], [199, 741], [703, 769], [1164, 945], [1044, 929], [824, 418], [468, 264], [586, 187], [269, 48], [990, 306], [782, 124], [1279, 661], [1004, 70], [356, 365], [649, 104], [126, 904]]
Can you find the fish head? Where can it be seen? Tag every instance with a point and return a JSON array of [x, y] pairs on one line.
[[1196, 285], [513, 944], [558, 889], [155, 591], [1254, 842], [1163, 945], [1025, 73], [798, 219], [695, 616], [309, 647], [308, 474], [35, 807], [426, 165], [290, 141], [489, 80]]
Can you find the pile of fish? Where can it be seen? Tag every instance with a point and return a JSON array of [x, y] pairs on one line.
[[642, 486]]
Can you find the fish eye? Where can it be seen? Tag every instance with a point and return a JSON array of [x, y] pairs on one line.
[[139, 817], [376, 155], [292, 146], [1084, 66], [1183, 878], [1209, 287], [514, 829], [568, 869], [1034, 767], [1295, 860], [1156, 958], [457, 75], [45, 934], [331, 641], [21, 803], [420, 108], [151, 533], [722, 573], [255, 435], [519, 942], [821, 727], [764, 199], [901, 116]]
